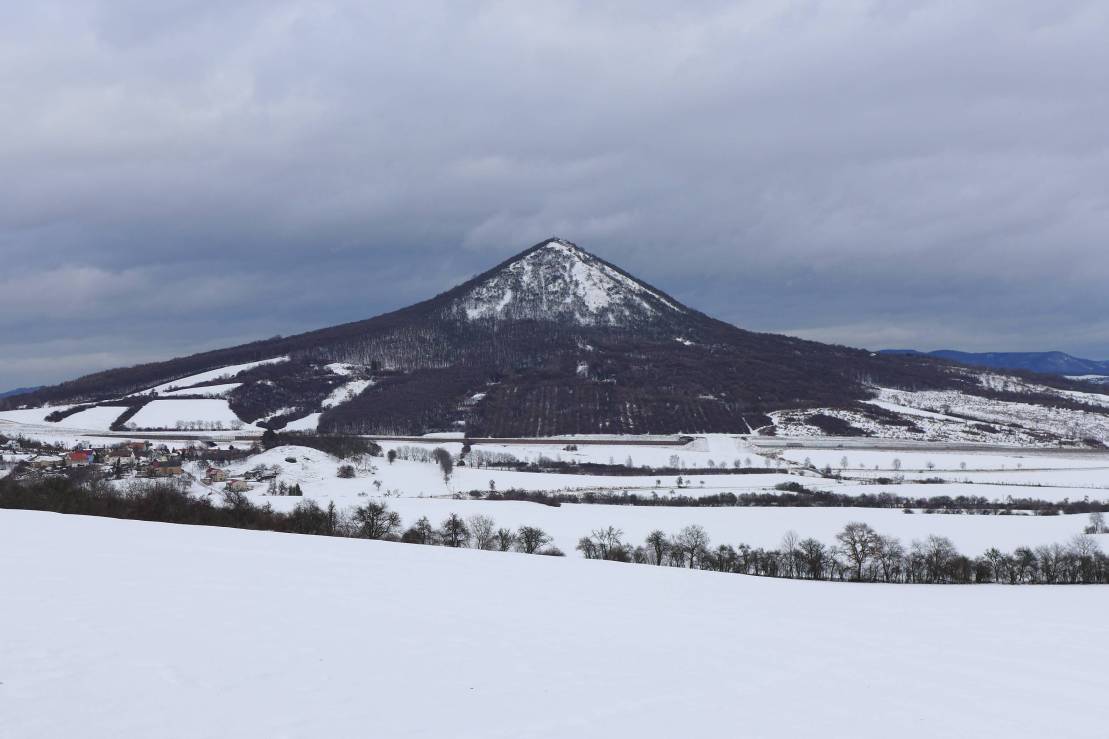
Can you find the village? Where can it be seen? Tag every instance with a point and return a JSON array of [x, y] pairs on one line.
[[26, 459]]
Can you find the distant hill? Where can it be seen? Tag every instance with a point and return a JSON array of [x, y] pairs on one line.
[[1052, 363], [19, 391]]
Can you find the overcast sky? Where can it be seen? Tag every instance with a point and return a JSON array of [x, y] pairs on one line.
[[183, 175]]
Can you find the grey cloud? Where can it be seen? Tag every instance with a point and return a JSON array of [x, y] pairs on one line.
[[860, 172]]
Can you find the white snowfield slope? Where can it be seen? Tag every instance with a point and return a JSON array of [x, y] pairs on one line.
[[175, 631], [345, 392], [99, 418], [211, 375], [164, 414], [211, 391]]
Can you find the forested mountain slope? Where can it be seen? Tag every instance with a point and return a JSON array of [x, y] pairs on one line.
[[552, 341]]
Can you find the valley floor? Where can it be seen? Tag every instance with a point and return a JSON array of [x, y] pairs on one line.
[[128, 629]]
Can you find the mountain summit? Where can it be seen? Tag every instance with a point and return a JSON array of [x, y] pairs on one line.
[[557, 281], [552, 341]]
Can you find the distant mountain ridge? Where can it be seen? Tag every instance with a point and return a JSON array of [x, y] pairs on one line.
[[1051, 363], [19, 391]]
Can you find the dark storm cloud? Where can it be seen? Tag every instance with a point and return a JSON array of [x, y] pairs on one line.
[[186, 174]]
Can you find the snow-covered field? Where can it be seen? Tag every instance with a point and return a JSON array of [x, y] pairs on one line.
[[211, 391], [706, 450], [174, 631], [99, 418], [415, 489], [165, 414], [939, 461], [316, 472]]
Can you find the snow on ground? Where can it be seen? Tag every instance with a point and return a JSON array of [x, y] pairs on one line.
[[723, 450], [1061, 422], [949, 415], [1082, 479], [340, 368], [98, 418], [410, 487], [171, 631], [991, 491], [1018, 385], [308, 423], [31, 416], [927, 426], [210, 391], [345, 392], [211, 375], [905, 410], [945, 461], [317, 471], [164, 414], [574, 285], [1089, 378]]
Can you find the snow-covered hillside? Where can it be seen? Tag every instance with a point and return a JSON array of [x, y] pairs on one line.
[[557, 281], [172, 631]]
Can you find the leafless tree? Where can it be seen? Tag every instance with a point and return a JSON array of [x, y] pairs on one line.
[[375, 520], [658, 545], [482, 531], [531, 539], [454, 532], [692, 541], [790, 555], [813, 557], [890, 555], [504, 539], [860, 543]]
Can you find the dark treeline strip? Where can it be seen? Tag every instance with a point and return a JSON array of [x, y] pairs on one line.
[[343, 446], [794, 495], [168, 502], [25, 442], [599, 468]]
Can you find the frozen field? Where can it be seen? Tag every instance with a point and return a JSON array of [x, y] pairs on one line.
[[172, 631]]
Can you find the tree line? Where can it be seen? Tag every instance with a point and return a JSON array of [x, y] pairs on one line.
[[859, 553], [862, 554], [168, 501], [795, 495]]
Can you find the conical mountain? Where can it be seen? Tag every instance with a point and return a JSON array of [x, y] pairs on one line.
[[552, 341]]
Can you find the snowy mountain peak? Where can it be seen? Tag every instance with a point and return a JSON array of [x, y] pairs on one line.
[[557, 280]]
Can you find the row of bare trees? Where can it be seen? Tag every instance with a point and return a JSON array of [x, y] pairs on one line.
[[375, 520], [859, 554]]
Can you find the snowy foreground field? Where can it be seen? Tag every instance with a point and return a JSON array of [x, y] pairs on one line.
[[151, 630]]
